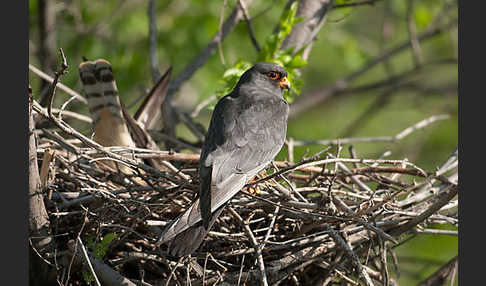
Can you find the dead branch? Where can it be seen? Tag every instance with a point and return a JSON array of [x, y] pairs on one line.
[[154, 59], [355, 4], [306, 101], [61, 86], [303, 34], [40, 238]]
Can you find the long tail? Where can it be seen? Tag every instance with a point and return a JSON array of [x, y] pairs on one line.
[[187, 241], [109, 125]]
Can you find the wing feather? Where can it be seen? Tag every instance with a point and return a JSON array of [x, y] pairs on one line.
[[244, 135]]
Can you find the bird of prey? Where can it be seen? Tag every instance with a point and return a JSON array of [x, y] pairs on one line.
[[246, 131]]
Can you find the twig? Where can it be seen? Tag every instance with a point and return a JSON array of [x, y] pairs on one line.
[[345, 245], [85, 255], [270, 227], [234, 18], [416, 51], [154, 60], [173, 271], [445, 195], [436, 231], [261, 265], [310, 100], [52, 88], [71, 114], [201, 105], [419, 125], [60, 85], [49, 156], [241, 269], [354, 4], [220, 31], [250, 26]]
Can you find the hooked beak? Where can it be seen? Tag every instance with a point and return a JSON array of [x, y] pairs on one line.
[[284, 83]]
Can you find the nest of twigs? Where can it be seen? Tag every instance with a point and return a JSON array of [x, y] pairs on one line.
[[326, 220]]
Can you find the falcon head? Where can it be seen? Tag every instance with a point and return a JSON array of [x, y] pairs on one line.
[[266, 76]]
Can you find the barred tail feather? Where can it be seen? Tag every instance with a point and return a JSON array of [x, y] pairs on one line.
[[109, 125]]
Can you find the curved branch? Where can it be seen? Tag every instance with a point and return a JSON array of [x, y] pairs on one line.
[[314, 13]]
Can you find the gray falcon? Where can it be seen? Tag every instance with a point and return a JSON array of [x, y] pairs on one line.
[[247, 130]]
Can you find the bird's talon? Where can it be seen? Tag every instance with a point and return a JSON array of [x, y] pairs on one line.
[[254, 190]]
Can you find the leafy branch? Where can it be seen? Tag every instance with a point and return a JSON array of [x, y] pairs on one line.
[[289, 59]]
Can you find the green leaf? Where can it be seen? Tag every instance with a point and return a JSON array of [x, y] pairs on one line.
[[422, 16], [271, 52], [88, 277], [297, 62], [232, 72], [90, 242], [102, 247]]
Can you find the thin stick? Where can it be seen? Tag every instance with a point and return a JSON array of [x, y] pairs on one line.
[[52, 88], [173, 271], [355, 4], [154, 60], [412, 31], [445, 195], [220, 34], [270, 227], [61, 86], [228, 25], [201, 105], [261, 265], [86, 257], [241, 269], [401, 135], [250, 26]]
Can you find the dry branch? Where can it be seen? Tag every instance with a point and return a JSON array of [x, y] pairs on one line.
[[61, 86], [303, 34], [39, 225], [154, 59], [313, 98]]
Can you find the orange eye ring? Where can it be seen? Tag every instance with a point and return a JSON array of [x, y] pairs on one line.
[[273, 75]]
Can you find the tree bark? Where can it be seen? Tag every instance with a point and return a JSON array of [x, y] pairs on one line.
[[40, 273]]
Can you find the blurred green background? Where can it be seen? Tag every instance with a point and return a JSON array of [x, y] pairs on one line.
[[350, 38]]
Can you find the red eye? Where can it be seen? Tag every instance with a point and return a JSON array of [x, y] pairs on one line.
[[273, 75]]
